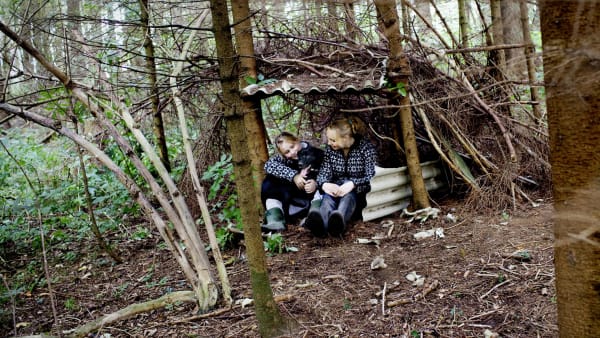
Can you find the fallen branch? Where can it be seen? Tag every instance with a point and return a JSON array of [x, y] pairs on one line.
[[416, 297], [132, 310], [278, 299], [494, 288]]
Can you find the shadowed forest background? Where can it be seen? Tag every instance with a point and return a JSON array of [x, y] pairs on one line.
[[133, 136]]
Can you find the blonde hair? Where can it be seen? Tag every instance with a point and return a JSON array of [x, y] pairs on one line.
[[347, 126], [284, 137]]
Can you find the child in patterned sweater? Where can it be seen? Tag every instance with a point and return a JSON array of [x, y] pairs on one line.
[[344, 178], [287, 189]]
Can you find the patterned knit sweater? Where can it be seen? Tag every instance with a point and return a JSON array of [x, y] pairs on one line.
[[358, 167], [283, 168]]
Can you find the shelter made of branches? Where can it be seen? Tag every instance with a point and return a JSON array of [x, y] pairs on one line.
[[497, 157]]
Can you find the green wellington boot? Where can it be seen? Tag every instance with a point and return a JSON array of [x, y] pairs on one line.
[[274, 220], [314, 220]]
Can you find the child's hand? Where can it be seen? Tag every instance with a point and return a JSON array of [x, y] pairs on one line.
[[310, 186], [345, 188], [299, 181], [304, 172]]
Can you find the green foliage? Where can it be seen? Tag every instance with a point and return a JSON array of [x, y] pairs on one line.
[[141, 233], [500, 278], [162, 282], [224, 237], [58, 193], [222, 192], [275, 244], [118, 291], [258, 81], [71, 304], [399, 87]]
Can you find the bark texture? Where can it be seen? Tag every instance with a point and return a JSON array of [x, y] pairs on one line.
[[572, 76], [399, 72], [255, 125], [271, 323]]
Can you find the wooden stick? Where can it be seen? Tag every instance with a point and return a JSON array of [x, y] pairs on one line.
[[416, 297], [494, 288]]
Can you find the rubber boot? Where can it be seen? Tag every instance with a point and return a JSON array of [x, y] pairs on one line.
[[337, 223], [314, 220], [274, 220]]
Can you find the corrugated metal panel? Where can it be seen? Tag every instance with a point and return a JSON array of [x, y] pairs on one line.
[[391, 191], [311, 85]]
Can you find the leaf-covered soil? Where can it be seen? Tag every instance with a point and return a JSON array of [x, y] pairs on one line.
[[473, 283]]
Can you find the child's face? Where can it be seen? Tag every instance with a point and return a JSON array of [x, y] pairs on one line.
[[337, 142], [289, 150]]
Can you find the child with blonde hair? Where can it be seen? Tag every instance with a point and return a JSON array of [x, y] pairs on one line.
[[287, 190], [344, 178]]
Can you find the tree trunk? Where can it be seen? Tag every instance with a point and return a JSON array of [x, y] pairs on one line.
[[157, 120], [255, 125], [463, 22], [405, 19], [512, 34], [399, 73], [350, 20], [332, 18], [424, 9], [499, 58], [529, 56], [571, 66], [271, 322]]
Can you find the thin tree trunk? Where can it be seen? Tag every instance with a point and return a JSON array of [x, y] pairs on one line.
[[271, 322], [498, 38], [350, 20], [530, 55], [255, 125], [405, 19], [90, 206], [157, 120], [512, 34], [463, 23], [571, 66], [399, 72], [195, 177]]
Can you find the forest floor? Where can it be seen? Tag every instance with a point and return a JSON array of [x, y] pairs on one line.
[[474, 283]]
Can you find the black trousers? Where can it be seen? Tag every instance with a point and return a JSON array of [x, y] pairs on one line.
[[287, 193]]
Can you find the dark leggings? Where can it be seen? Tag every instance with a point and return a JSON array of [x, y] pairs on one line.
[[284, 191]]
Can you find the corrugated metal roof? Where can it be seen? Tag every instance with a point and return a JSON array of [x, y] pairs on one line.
[[368, 80]]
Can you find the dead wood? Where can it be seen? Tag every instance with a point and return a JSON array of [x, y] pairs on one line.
[[132, 310], [434, 284]]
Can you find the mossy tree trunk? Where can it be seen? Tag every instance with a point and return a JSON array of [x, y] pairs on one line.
[[398, 73], [271, 322], [255, 125], [571, 55]]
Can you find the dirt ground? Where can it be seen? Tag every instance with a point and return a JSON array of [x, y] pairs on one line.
[[489, 272]]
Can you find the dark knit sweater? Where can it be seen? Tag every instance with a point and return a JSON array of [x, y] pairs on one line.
[[283, 168], [358, 167]]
